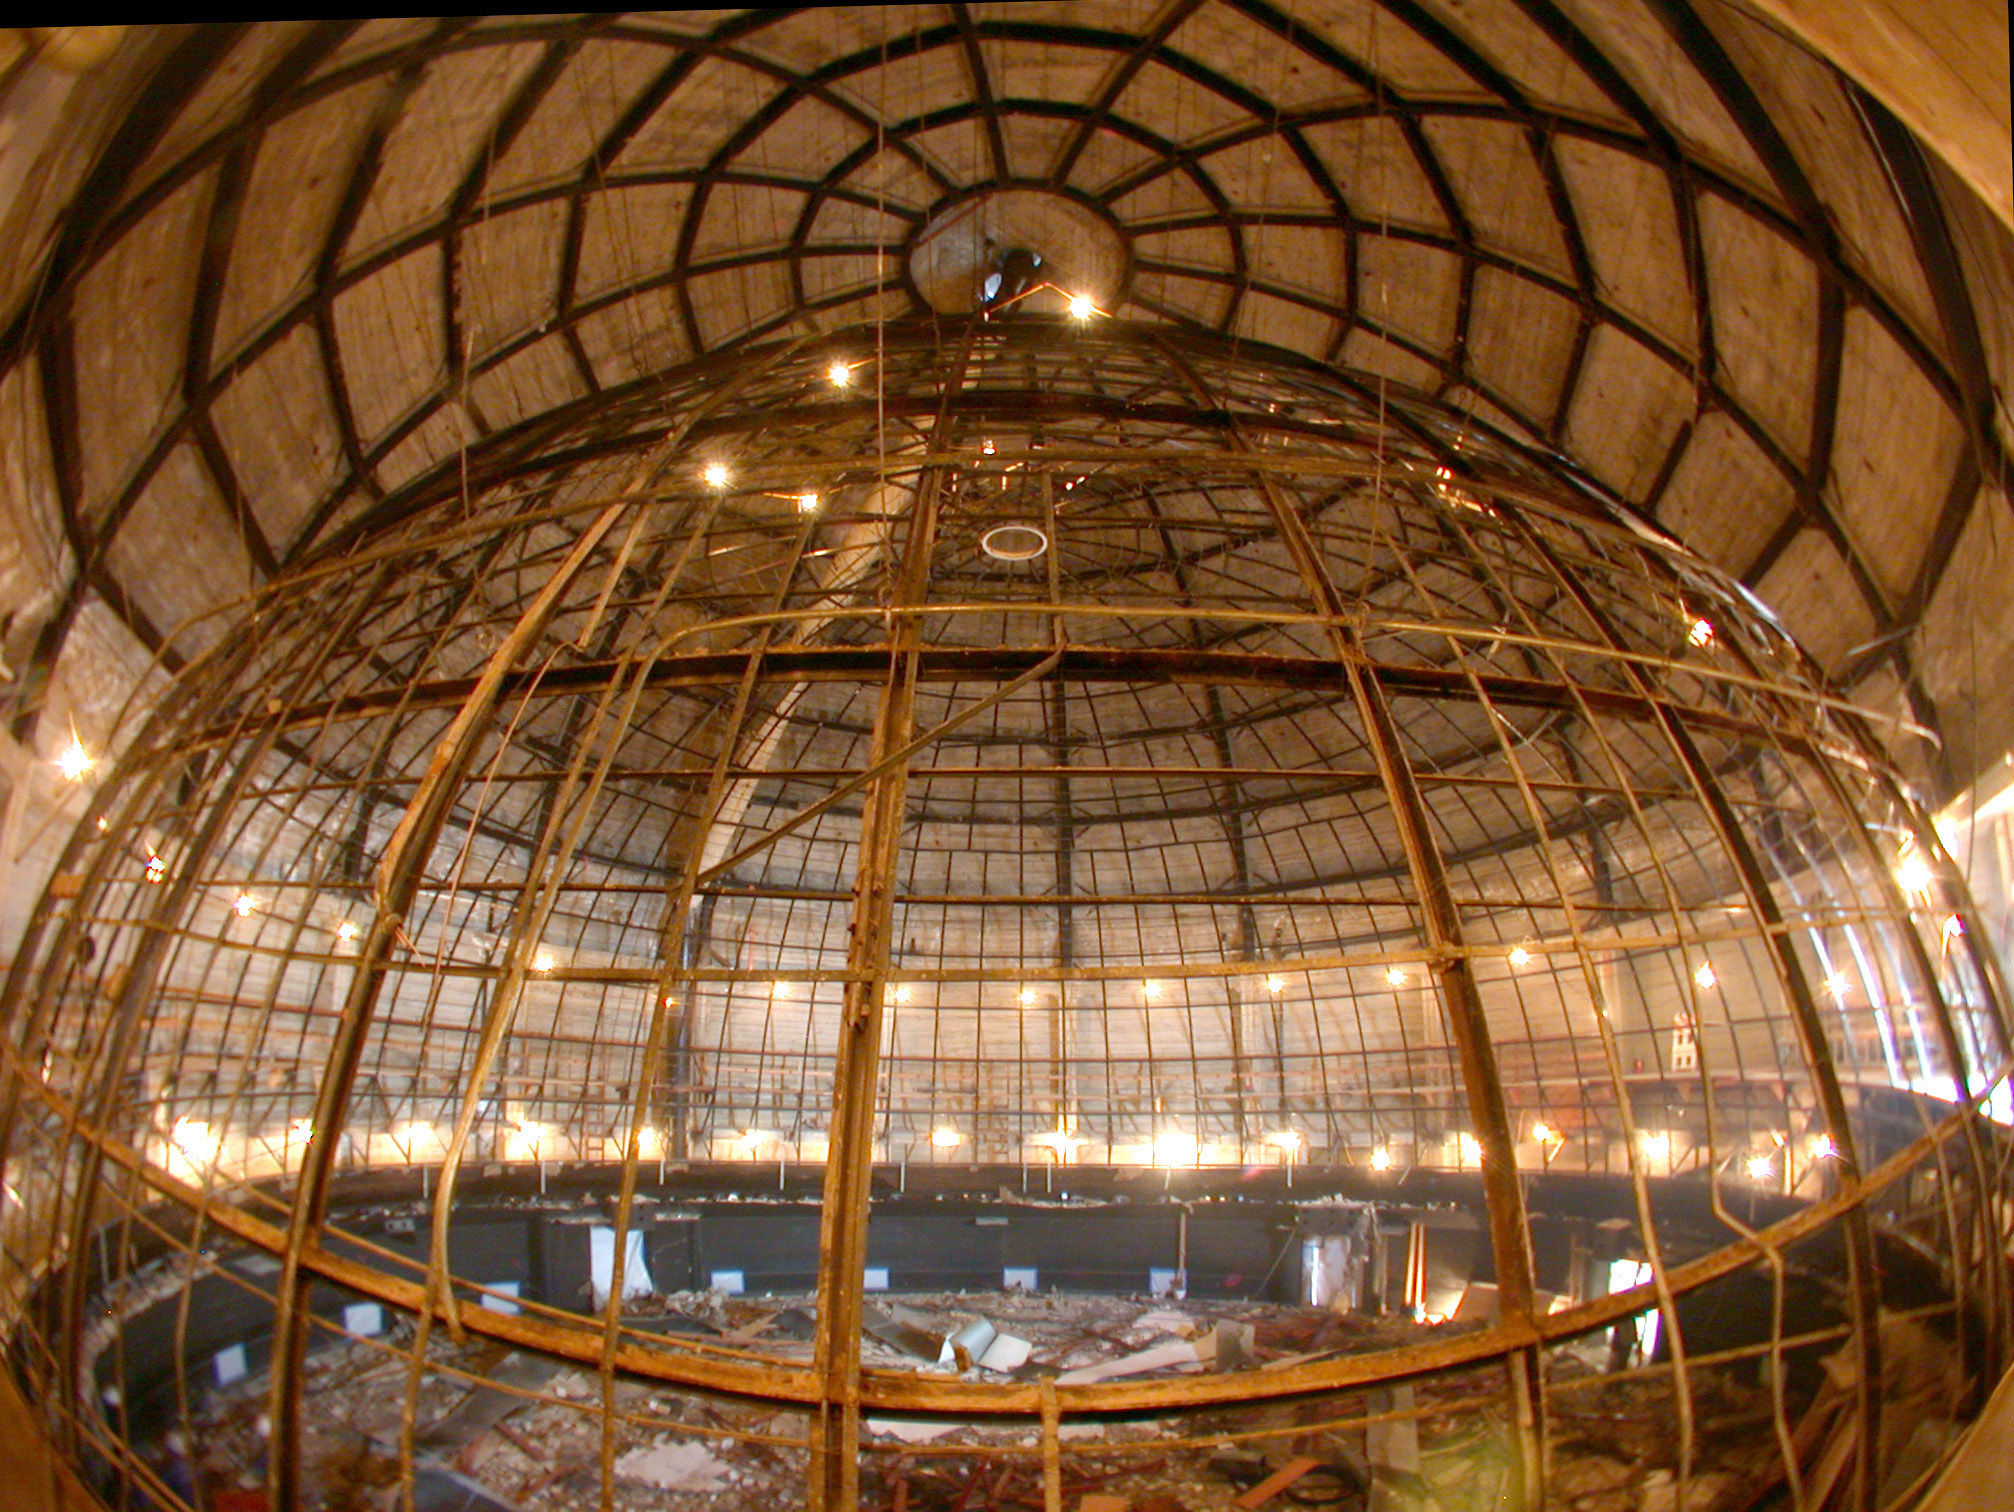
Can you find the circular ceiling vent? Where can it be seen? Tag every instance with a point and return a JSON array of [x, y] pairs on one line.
[[1016, 541]]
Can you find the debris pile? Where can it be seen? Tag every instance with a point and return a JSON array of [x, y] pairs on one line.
[[487, 1429]]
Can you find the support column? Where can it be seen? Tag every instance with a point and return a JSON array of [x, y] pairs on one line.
[[834, 1476]]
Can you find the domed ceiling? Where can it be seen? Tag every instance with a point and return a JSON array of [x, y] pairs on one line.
[[281, 270]]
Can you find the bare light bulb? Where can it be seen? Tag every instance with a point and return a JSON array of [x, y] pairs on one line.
[[1706, 976], [1701, 633], [1519, 956], [716, 475], [1026, 997], [1395, 976], [1761, 1167], [347, 932], [840, 373], [75, 761], [244, 905], [807, 503], [1276, 984], [1381, 1158], [1081, 307], [944, 1137]]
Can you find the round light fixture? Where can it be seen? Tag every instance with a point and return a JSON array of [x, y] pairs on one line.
[[1015, 541]]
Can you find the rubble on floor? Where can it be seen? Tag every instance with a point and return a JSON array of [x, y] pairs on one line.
[[493, 1430]]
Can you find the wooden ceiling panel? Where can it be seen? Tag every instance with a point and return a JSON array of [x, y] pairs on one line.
[[1306, 259], [628, 233], [1502, 193], [390, 340], [1627, 407], [531, 381], [509, 271], [181, 547], [737, 301], [1171, 193], [33, 540], [699, 117], [891, 178], [1033, 143], [1253, 57], [825, 277], [801, 40], [1368, 353], [743, 218], [1109, 158], [1637, 43], [1808, 103], [1719, 469], [131, 318], [1267, 177], [1378, 172], [1629, 220], [912, 85], [1281, 323], [1380, 42], [444, 432], [376, 38], [805, 142], [1178, 107], [1764, 299], [1411, 290], [440, 136], [958, 152], [1898, 449], [287, 204], [593, 89], [275, 422], [1205, 247], [1804, 588], [1966, 657], [1544, 74], [1521, 342], [219, 99], [1066, 73]]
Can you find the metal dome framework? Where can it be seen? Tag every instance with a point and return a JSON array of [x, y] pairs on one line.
[[675, 779], [328, 255]]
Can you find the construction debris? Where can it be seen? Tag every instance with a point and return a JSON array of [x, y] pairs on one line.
[[674, 1465], [1277, 1482], [505, 1431]]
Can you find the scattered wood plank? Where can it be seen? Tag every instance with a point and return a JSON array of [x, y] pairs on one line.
[[1277, 1482]]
